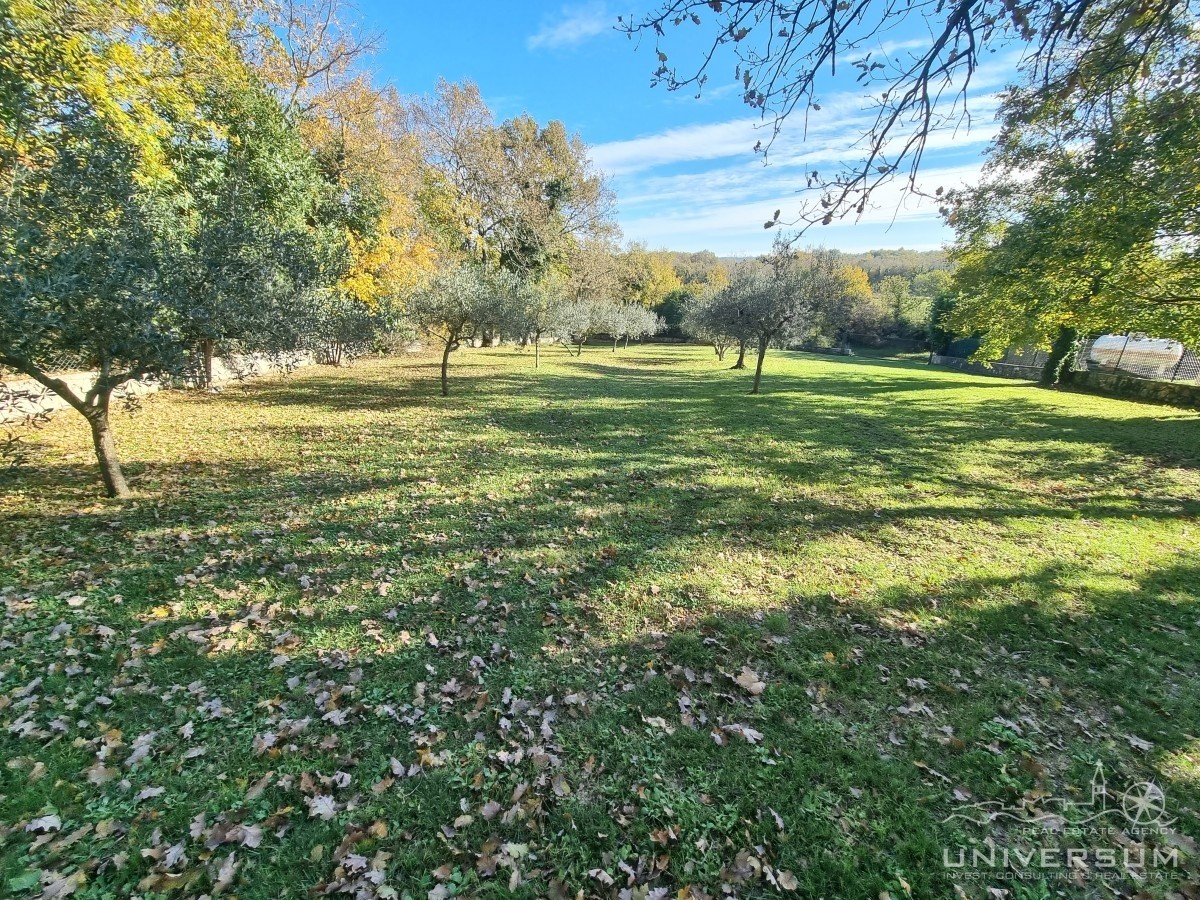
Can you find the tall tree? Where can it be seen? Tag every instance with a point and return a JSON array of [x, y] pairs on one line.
[[518, 194], [836, 315], [93, 97], [1100, 238], [249, 256], [362, 137], [647, 277], [593, 271]]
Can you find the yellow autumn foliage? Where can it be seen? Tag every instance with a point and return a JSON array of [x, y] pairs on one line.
[[135, 65]]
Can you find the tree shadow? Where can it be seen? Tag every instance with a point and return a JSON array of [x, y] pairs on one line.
[[853, 756], [581, 525]]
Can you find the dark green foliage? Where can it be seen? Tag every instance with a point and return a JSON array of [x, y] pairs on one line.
[[263, 230]]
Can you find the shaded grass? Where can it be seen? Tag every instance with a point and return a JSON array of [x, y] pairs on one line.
[[952, 587]]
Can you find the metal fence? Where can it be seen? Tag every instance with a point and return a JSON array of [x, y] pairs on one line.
[[57, 364], [1020, 362], [854, 344], [1156, 359]]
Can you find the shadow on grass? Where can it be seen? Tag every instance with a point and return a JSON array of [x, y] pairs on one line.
[[1035, 664], [862, 789]]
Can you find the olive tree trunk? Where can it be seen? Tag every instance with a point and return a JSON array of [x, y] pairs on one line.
[[762, 352], [446, 368], [106, 451], [741, 360], [93, 406]]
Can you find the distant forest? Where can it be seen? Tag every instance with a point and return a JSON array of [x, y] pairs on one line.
[[879, 264]]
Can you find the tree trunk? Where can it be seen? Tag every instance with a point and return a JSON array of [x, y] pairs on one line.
[[537, 353], [579, 349], [626, 347], [207, 348], [446, 369], [106, 450], [93, 406], [615, 340], [762, 352], [1057, 368], [741, 360], [720, 349]]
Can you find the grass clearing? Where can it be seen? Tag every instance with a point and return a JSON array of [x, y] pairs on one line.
[[611, 624]]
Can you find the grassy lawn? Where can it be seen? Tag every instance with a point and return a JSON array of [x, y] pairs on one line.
[[609, 625]]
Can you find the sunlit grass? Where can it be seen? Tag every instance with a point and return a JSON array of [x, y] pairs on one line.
[[947, 583]]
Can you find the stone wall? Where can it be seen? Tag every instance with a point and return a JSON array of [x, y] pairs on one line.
[[1000, 370], [1128, 387], [21, 398], [1132, 388]]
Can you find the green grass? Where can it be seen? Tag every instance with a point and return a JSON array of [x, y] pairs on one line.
[[536, 595]]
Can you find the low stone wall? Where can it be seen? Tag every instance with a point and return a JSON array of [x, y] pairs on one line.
[[999, 370], [1128, 387], [22, 398], [1132, 388]]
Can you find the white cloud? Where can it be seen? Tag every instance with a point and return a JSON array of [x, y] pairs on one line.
[[574, 25], [686, 144], [699, 186], [728, 216], [830, 135]]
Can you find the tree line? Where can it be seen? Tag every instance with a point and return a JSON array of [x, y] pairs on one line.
[[213, 177], [1087, 220]]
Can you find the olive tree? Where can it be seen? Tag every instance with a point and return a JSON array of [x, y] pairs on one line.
[[81, 248], [451, 307], [633, 321], [113, 197], [704, 319], [724, 318], [248, 256], [533, 312], [575, 321], [785, 305]]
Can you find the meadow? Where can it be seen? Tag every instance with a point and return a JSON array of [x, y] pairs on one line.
[[610, 627]]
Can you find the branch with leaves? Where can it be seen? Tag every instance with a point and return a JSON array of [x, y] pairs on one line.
[[783, 51]]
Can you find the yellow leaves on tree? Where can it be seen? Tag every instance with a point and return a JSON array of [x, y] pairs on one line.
[[857, 283], [384, 268], [134, 65], [362, 135], [649, 277]]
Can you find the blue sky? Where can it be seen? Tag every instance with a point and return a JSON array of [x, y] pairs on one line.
[[684, 171]]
